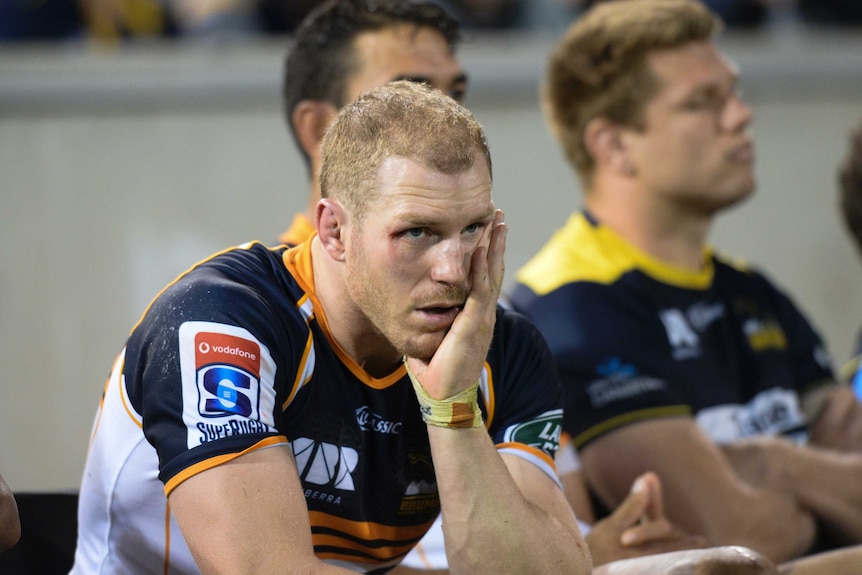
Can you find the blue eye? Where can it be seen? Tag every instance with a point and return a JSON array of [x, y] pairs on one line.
[[414, 232], [473, 228]]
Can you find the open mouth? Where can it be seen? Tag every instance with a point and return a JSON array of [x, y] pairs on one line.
[[439, 315], [442, 309]]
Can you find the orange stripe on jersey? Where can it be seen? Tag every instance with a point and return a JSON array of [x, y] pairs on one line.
[[339, 538], [219, 460], [423, 557], [383, 554], [368, 530], [532, 450], [115, 369], [124, 398], [298, 383]]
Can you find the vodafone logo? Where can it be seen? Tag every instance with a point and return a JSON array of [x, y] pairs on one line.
[[214, 348], [204, 347]]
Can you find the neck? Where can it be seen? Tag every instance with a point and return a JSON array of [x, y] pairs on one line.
[[665, 230], [353, 332]]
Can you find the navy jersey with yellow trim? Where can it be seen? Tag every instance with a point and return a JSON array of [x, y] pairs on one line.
[[636, 339], [236, 355]]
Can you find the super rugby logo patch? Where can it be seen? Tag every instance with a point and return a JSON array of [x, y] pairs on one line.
[[228, 374], [227, 382]]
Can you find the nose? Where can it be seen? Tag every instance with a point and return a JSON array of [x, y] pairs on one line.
[[737, 114], [449, 263]]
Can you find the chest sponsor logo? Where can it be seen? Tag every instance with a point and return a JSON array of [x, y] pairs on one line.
[[370, 421], [619, 381], [330, 466], [764, 334], [683, 327], [228, 375], [772, 412], [420, 497]]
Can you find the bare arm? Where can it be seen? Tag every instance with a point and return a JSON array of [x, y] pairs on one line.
[[237, 519], [402, 570], [825, 482], [501, 514], [839, 562], [703, 494], [713, 561], [10, 523]]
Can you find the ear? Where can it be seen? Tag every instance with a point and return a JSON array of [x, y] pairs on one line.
[[330, 218], [310, 120], [608, 145]]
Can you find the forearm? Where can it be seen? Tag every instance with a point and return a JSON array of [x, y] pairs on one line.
[[827, 483], [703, 493], [490, 526], [769, 522], [839, 562], [730, 560]]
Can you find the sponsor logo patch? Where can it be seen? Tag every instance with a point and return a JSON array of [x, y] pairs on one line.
[[684, 326], [772, 412], [420, 497], [620, 381], [325, 464], [542, 433], [228, 375]]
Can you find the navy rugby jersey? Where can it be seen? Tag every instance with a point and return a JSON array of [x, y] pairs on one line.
[[236, 355], [636, 339]]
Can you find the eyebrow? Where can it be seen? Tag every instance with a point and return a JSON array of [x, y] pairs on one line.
[[421, 221]]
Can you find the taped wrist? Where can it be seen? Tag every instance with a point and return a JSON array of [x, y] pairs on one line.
[[460, 411]]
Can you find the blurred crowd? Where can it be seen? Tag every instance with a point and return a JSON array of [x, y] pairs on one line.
[[120, 20]]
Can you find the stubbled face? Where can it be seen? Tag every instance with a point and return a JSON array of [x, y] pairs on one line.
[[406, 52], [696, 149], [409, 260]]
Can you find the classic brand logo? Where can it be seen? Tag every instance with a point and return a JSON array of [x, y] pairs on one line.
[[370, 421]]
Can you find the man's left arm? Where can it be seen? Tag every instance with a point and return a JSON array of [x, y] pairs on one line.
[[501, 513]]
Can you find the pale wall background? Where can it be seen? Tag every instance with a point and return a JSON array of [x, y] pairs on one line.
[[119, 169]]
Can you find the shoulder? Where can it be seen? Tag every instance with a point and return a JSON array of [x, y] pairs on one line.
[[241, 285], [581, 251], [249, 267]]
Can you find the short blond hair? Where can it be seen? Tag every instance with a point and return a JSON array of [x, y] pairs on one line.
[[400, 119], [598, 69]]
